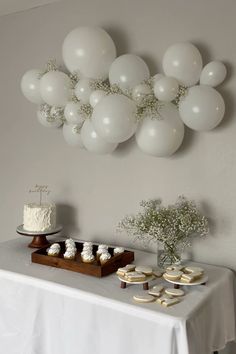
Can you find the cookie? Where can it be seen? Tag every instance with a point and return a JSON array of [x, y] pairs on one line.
[[143, 298], [144, 269], [173, 274], [170, 302], [163, 298], [156, 290], [123, 271], [191, 277], [175, 267], [157, 273], [135, 276], [193, 269], [174, 292]]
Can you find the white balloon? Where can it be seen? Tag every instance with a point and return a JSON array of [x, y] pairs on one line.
[[53, 123], [55, 88], [96, 97], [72, 114], [140, 92], [114, 118], [83, 90], [166, 89], [127, 71], [72, 135], [161, 137], [183, 61], [202, 108], [30, 86], [157, 77], [213, 74], [89, 51], [93, 142]]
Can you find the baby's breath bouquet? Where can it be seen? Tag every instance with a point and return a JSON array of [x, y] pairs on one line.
[[173, 226]]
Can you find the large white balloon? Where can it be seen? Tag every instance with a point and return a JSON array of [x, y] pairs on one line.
[[71, 135], [93, 142], [202, 108], [161, 137], [72, 114], [166, 89], [30, 86], [183, 61], [96, 97], [128, 70], [56, 88], [83, 90], [89, 51], [213, 74], [48, 123], [114, 118]]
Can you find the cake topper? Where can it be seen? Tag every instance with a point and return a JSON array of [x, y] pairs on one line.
[[40, 189]]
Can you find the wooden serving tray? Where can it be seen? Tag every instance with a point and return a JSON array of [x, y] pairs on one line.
[[76, 265]]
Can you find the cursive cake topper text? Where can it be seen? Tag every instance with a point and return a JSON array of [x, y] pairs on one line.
[[40, 189]]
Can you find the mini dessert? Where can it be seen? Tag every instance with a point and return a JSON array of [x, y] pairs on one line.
[[144, 298], [144, 269], [156, 290], [69, 241], [191, 277], [135, 276], [193, 269], [174, 292], [54, 252], [87, 257], [164, 298], [104, 257], [118, 250], [173, 274], [71, 248], [69, 255], [103, 246], [170, 302], [55, 246], [88, 244], [100, 252]]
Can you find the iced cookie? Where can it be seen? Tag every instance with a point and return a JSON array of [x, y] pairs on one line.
[[174, 292], [144, 298], [135, 276], [173, 274], [193, 269], [156, 290], [144, 269]]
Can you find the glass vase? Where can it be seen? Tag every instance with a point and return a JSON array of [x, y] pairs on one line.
[[170, 254]]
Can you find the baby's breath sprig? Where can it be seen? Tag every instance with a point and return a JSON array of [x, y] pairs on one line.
[[149, 107], [182, 92], [51, 65]]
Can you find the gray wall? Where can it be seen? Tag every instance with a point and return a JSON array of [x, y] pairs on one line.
[[95, 192]]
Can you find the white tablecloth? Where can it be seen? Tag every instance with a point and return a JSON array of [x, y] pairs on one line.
[[46, 310]]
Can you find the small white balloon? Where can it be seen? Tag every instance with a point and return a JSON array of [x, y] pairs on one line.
[[161, 137], [140, 92], [166, 89], [157, 77], [30, 84], [72, 136], [183, 61], [213, 74], [96, 97], [114, 118], [48, 121], [202, 108], [83, 90], [89, 51], [72, 113], [93, 142], [128, 70], [55, 88]]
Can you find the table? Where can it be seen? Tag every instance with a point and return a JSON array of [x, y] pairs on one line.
[[46, 310]]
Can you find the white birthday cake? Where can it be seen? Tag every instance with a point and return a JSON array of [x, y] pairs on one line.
[[39, 217]]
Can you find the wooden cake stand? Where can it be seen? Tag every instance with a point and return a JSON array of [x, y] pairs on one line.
[[39, 238]]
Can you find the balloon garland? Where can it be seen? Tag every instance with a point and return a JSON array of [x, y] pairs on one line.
[[104, 100]]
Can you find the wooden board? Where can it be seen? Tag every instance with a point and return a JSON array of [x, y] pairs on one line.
[[76, 265]]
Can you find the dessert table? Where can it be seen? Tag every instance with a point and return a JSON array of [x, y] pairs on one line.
[[45, 310]]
